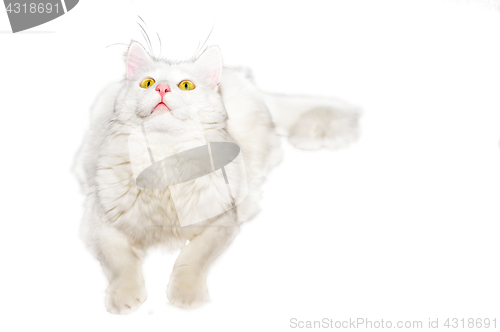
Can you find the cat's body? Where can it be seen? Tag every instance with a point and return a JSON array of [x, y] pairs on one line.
[[123, 220]]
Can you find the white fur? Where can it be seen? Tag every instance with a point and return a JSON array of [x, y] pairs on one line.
[[122, 220]]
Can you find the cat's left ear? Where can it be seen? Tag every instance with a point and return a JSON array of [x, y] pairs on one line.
[[209, 64], [137, 58]]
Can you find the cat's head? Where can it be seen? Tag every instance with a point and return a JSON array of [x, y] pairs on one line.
[[182, 90]]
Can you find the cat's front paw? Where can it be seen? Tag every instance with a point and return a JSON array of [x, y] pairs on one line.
[[187, 290], [125, 296], [325, 127]]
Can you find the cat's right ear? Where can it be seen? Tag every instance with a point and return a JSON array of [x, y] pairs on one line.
[[137, 58]]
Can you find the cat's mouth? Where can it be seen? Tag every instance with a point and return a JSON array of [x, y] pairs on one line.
[[161, 105]]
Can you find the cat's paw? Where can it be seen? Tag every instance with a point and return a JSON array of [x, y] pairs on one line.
[[187, 290], [125, 296], [324, 127]]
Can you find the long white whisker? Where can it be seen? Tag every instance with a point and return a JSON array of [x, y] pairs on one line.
[[159, 39], [197, 50], [117, 44], [207, 37], [146, 36]]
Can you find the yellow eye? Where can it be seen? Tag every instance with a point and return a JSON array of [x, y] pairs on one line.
[[186, 85], [147, 83]]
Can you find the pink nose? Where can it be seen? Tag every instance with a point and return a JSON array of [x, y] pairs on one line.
[[162, 89]]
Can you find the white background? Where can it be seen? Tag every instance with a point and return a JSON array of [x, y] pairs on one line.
[[404, 225]]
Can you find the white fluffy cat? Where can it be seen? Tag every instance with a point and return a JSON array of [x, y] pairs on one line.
[[122, 220]]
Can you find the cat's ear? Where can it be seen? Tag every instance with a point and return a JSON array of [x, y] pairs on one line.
[[137, 58], [209, 65]]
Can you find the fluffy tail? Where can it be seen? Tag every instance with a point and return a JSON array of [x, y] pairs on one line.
[[314, 122]]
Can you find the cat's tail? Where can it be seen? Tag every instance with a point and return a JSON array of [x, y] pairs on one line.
[[314, 122]]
